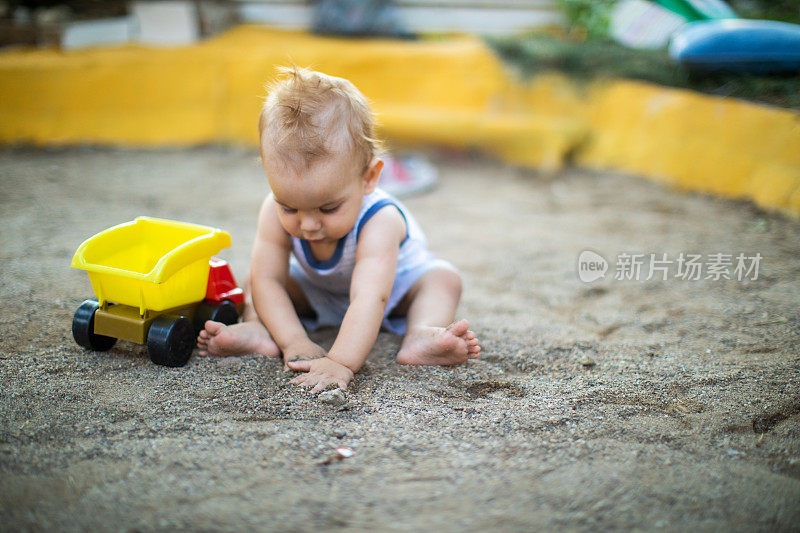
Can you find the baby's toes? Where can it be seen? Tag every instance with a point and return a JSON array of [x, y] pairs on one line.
[[459, 329], [473, 351]]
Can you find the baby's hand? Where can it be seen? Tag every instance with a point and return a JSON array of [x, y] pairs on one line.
[[321, 373], [302, 351]]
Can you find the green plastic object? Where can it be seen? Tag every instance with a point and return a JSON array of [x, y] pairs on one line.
[[693, 10]]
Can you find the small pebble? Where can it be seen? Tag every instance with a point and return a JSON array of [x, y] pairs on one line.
[[337, 455], [230, 363], [333, 397], [587, 361], [345, 452]]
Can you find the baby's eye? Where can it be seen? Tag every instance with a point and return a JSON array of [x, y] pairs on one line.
[[328, 210], [288, 210]]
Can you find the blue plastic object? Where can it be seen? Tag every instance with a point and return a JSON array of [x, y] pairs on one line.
[[738, 45]]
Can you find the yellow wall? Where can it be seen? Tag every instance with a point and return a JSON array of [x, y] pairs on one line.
[[450, 92], [697, 142]]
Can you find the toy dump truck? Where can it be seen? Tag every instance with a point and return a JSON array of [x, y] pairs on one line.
[[156, 283]]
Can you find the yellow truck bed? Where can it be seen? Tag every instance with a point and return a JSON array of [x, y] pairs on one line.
[[150, 263]]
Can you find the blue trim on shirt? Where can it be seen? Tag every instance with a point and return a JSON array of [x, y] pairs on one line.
[[374, 208], [323, 265]]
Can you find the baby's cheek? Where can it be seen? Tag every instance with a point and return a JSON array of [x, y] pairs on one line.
[[341, 230], [346, 223], [289, 224]]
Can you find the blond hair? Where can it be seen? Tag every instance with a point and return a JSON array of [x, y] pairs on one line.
[[309, 115]]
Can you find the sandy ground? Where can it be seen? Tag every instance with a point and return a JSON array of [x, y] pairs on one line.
[[689, 418]]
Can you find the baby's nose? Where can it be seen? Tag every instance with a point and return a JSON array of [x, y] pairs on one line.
[[309, 223]]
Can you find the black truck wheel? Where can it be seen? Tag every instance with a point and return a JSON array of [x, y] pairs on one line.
[[170, 340], [224, 312], [83, 328]]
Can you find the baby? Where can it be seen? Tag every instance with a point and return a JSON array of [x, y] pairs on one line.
[[332, 249]]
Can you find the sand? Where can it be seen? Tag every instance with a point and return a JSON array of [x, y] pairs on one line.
[[622, 403]]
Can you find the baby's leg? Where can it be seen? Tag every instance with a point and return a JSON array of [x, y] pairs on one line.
[[432, 338], [250, 335]]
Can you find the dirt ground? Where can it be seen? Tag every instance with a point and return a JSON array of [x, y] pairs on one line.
[[688, 419]]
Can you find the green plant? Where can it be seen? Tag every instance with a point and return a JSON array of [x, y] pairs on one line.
[[535, 53], [785, 10], [590, 17]]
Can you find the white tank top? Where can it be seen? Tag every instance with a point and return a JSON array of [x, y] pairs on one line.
[[334, 275]]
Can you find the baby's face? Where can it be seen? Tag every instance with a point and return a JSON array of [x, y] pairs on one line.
[[321, 204]]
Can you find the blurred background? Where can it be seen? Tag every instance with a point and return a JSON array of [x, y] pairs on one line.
[[647, 87], [576, 36]]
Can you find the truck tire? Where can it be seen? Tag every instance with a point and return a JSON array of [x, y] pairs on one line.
[[170, 340], [83, 328], [224, 311]]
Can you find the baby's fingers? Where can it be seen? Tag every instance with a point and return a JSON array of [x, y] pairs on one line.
[[311, 380], [299, 366], [321, 385], [302, 380]]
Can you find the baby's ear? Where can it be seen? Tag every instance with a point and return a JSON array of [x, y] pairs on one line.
[[372, 175]]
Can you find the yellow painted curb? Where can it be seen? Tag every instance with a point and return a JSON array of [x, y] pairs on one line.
[[709, 144], [450, 92]]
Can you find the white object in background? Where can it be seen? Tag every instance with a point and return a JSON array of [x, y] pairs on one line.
[[713, 9], [641, 24], [483, 17], [287, 15], [99, 32], [169, 23], [407, 175]]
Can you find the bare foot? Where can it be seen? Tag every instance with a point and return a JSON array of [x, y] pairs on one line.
[[237, 339], [439, 346]]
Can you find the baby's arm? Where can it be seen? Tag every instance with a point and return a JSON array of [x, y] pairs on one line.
[[269, 272], [373, 277]]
